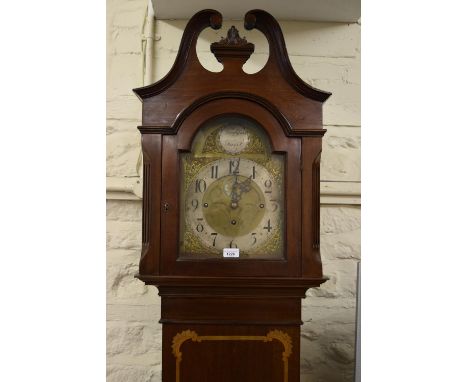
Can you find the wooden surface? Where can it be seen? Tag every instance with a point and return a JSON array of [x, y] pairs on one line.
[[170, 264], [231, 320], [276, 83], [230, 353]]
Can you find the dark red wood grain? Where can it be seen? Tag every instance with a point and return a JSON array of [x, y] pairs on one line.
[[223, 299]]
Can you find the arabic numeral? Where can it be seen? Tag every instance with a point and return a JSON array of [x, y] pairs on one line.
[[214, 172], [215, 235], [200, 185], [274, 204], [199, 226], [234, 166], [254, 238], [268, 227]]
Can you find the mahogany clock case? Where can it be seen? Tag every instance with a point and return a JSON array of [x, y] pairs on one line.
[[174, 145], [231, 319], [174, 108]]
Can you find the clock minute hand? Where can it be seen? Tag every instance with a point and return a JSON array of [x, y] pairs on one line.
[[244, 186]]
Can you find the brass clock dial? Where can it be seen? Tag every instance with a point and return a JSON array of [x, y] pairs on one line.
[[238, 209], [232, 195]]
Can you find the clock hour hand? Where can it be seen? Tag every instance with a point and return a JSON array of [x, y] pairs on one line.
[[238, 189], [235, 194]]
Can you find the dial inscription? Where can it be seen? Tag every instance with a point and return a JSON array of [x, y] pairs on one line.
[[233, 138]]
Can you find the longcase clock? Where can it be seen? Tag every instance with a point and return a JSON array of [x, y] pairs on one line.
[[231, 207]]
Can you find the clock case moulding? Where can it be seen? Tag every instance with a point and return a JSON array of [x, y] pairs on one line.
[[231, 296], [275, 92]]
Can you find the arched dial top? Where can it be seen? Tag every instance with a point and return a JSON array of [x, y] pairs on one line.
[[232, 192]]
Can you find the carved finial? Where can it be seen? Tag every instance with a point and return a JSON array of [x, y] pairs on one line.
[[233, 38], [232, 47]]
